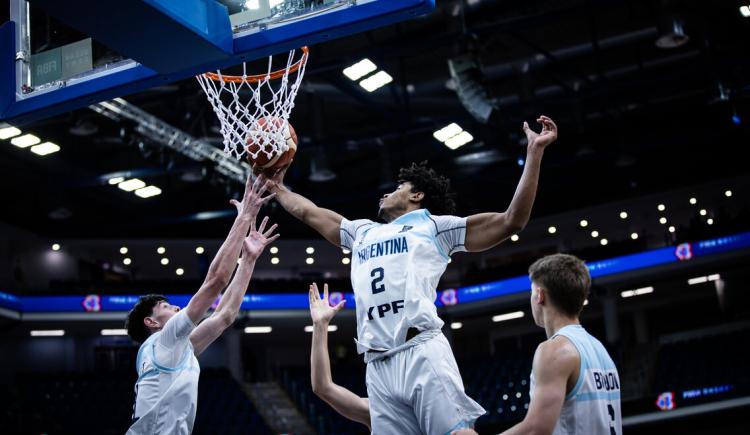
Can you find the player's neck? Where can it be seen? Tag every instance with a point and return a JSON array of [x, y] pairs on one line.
[[408, 209], [554, 321]]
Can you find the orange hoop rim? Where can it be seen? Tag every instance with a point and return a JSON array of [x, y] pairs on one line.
[[259, 77]]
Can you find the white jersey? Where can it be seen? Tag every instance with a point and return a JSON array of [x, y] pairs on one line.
[[593, 405], [167, 386], [395, 270]]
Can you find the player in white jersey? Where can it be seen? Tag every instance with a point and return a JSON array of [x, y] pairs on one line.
[[575, 387], [168, 370], [411, 371]]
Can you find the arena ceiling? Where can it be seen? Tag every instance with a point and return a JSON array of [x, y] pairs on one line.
[[634, 120]]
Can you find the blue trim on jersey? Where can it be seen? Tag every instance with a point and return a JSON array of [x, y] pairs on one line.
[[599, 395], [463, 424], [147, 374], [583, 364], [181, 364]]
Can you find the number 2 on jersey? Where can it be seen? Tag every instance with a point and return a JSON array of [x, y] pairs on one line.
[[377, 275]]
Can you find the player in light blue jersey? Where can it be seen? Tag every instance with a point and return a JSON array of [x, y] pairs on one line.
[[575, 387], [168, 370], [413, 382]]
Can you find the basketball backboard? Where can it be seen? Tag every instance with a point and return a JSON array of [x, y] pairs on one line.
[[59, 56]]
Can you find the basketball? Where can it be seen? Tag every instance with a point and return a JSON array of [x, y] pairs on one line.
[[267, 157]]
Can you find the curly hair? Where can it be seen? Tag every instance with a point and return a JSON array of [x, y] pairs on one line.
[[438, 197], [142, 309]]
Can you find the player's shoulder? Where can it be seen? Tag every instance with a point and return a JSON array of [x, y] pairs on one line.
[[445, 221], [557, 353]]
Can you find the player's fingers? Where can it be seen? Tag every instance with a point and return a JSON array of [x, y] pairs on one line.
[[310, 295], [271, 239], [235, 203], [265, 199], [525, 126], [270, 231], [325, 291], [340, 305], [264, 187], [316, 295], [263, 225]]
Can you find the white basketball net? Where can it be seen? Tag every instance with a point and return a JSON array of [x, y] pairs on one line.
[[255, 108]]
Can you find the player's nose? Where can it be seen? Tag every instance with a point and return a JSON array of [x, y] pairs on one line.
[[176, 309]]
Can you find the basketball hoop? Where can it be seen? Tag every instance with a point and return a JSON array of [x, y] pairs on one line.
[[244, 103]]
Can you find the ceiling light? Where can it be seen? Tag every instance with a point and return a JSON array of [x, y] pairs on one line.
[[514, 238], [275, 260], [258, 329], [447, 132], [728, 193], [360, 69], [346, 251], [698, 280], [552, 230], [24, 141], [604, 242], [148, 192], [457, 325], [45, 148], [331, 328], [671, 229], [180, 271], [745, 11], [703, 212], [124, 250], [595, 234], [346, 260], [309, 260], [160, 250], [508, 316], [274, 250], [714, 277], [126, 261], [9, 132], [55, 246], [376, 81], [623, 215], [585, 302], [131, 185], [200, 250], [459, 140], [584, 223], [637, 292], [634, 236], [662, 220], [164, 261], [114, 332], [710, 221], [310, 250], [116, 180], [661, 207], [48, 333], [693, 201]]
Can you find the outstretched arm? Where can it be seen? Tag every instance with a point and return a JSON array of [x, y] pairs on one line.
[[486, 230], [342, 400], [554, 363], [324, 221], [225, 261], [226, 312]]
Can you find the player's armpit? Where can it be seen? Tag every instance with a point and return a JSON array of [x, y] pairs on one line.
[[486, 230], [555, 362]]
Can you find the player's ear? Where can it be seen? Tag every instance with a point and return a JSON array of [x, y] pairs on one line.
[[541, 295], [416, 196], [150, 322]]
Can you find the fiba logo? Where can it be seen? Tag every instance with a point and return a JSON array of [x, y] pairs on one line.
[[665, 401], [449, 297], [92, 303], [335, 297], [684, 251]]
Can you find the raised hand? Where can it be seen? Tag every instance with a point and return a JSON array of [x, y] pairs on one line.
[[276, 178], [258, 239], [320, 310], [253, 199], [547, 135]]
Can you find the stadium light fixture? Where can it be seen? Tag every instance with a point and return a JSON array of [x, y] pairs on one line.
[[508, 316]]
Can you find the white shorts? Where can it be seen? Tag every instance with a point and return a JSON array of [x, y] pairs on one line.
[[419, 391]]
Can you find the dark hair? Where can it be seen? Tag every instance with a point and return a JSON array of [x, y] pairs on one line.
[[438, 197], [137, 330], [566, 279]]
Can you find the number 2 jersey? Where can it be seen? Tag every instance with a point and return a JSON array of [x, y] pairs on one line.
[[395, 269]]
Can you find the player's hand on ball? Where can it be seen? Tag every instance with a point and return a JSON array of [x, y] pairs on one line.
[[258, 239], [253, 199], [276, 179], [545, 137], [320, 310]]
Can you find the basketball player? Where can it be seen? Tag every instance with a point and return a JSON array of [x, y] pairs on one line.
[[341, 399], [413, 383], [167, 385]]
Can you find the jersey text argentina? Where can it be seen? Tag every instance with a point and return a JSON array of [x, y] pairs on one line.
[[394, 271]]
